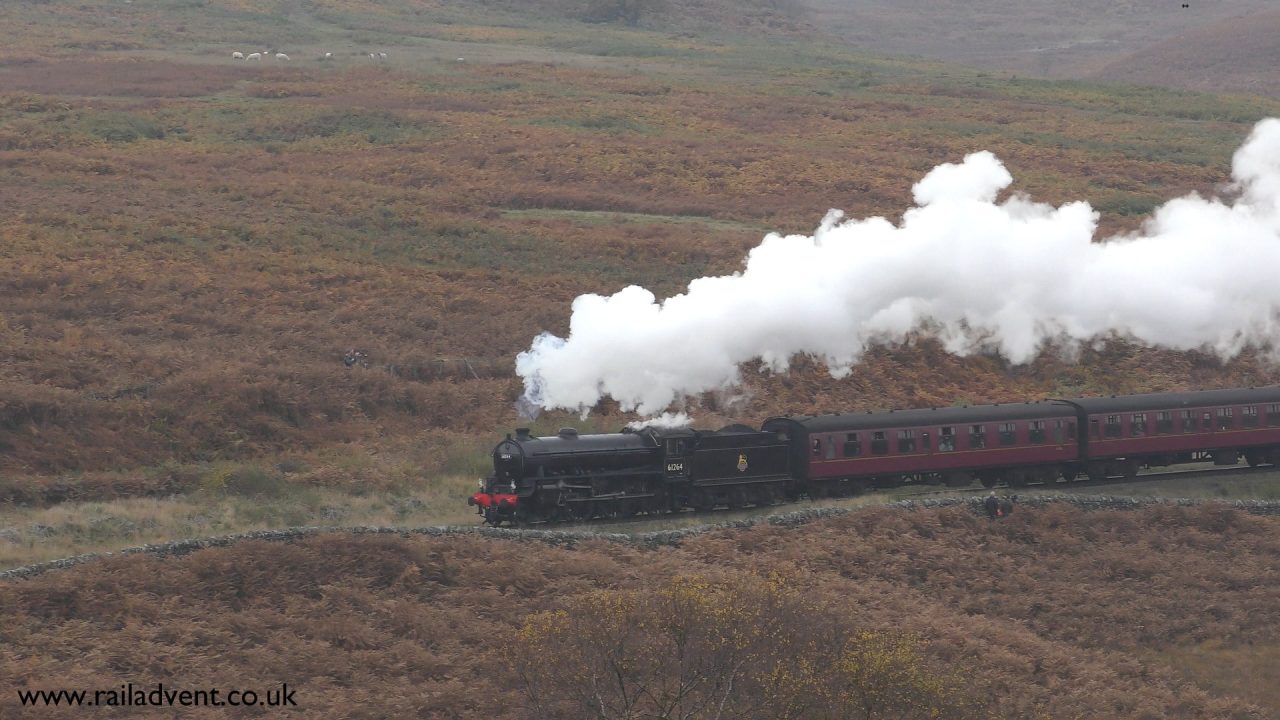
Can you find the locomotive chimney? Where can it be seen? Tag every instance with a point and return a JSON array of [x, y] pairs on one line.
[[568, 433], [522, 433]]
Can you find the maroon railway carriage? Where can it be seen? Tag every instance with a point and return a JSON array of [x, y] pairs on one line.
[[1127, 432], [1013, 443]]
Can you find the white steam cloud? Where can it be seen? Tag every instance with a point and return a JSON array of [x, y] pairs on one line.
[[977, 274]]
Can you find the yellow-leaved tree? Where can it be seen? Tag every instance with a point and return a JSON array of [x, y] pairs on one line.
[[745, 647]]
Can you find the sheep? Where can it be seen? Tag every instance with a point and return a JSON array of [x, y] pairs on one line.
[[328, 56], [281, 56], [237, 55], [382, 56], [462, 59], [254, 56], [373, 56]]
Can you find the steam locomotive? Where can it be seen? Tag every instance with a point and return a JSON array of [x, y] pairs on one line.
[[655, 470]]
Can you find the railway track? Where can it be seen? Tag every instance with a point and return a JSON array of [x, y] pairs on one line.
[[644, 523]]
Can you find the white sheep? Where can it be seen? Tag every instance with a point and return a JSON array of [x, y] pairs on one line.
[[462, 59], [382, 56], [254, 56], [281, 56], [328, 56], [373, 56], [237, 55]]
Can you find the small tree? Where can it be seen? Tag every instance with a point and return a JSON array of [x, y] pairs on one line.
[[700, 650]]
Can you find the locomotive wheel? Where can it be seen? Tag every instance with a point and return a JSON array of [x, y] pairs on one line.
[[989, 481], [1097, 471]]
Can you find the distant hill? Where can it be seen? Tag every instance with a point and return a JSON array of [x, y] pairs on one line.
[[1238, 54], [1056, 39], [689, 15]]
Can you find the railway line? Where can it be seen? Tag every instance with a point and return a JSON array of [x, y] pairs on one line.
[[644, 523]]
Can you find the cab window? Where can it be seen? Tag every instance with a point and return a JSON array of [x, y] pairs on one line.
[[906, 441], [1008, 433], [1112, 429], [852, 445], [1035, 431], [879, 446], [947, 440], [977, 436], [1138, 424]]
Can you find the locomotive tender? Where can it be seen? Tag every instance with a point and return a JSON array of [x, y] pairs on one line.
[[656, 470]]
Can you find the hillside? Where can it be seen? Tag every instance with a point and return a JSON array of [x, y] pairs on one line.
[[1233, 55], [1164, 612], [193, 242], [1062, 40]]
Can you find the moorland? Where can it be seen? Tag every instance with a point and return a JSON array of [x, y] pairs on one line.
[[189, 243]]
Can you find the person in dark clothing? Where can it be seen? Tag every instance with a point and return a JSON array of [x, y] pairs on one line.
[[992, 505], [1006, 505]]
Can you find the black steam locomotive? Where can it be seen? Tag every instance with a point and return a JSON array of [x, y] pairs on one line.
[[654, 470]]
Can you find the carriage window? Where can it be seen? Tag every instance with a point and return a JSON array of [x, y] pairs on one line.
[[1188, 421], [977, 436], [852, 445], [1138, 424], [830, 448], [1164, 423], [947, 441], [1225, 421], [1071, 429], [1036, 432], [1249, 416], [1112, 430], [1207, 423], [879, 446], [1007, 431], [906, 441], [817, 447], [1094, 432], [1273, 414]]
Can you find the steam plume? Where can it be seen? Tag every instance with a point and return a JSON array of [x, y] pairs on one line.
[[979, 275]]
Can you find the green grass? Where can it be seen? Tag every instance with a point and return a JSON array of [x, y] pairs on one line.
[[253, 500], [1263, 485], [592, 218]]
